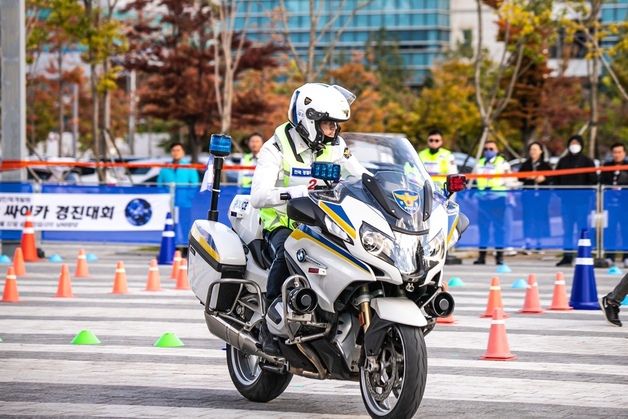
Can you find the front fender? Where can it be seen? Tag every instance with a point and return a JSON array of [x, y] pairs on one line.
[[398, 310]]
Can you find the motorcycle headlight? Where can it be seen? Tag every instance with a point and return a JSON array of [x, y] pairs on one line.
[[436, 247], [335, 229], [376, 243]]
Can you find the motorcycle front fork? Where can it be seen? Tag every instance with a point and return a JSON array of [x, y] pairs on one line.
[[364, 303]]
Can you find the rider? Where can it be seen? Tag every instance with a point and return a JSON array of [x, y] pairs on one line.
[[283, 170]]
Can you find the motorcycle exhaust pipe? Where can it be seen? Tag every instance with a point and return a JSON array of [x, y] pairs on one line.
[[442, 305], [302, 300], [239, 340]]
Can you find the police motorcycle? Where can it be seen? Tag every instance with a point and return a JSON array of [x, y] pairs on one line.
[[366, 263]]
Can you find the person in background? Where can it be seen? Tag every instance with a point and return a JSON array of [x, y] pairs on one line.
[[535, 202], [612, 301], [617, 231], [491, 201], [254, 144], [438, 161], [574, 211], [184, 196]]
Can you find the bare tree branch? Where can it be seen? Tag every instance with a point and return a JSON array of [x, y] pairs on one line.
[[286, 36], [511, 84]]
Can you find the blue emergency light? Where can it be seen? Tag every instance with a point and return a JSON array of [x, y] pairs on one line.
[[329, 172], [220, 145]]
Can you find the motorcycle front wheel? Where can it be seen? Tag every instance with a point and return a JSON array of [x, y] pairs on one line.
[[252, 382], [393, 385]]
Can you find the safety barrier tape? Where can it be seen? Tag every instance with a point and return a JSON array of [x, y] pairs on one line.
[[20, 164]]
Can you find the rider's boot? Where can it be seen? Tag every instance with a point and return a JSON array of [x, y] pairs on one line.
[[267, 339], [481, 260]]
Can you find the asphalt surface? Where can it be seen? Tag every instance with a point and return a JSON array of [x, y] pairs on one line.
[[570, 364]]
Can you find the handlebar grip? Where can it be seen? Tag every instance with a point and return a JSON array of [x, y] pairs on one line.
[[285, 196]]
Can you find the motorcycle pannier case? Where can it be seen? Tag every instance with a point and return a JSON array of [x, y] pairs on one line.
[[215, 253]]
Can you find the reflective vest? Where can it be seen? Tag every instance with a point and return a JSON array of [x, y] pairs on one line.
[[494, 166], [296, 171], [437, 164], [246, 176]]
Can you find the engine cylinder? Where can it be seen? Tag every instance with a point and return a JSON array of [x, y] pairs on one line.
[[442, 305], [302, 300]]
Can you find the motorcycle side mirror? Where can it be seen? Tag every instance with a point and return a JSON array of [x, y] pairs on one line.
[[328, 172], [220, 145], [455, 183]]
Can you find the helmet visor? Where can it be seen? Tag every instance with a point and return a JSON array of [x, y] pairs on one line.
[[347, 94]]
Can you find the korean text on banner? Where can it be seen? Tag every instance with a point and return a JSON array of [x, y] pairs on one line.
[[84, 212]]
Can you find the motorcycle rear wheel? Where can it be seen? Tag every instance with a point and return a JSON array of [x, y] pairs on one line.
[[251, 381], [396, 389]]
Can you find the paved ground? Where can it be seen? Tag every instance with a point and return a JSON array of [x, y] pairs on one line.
[[570, 364]]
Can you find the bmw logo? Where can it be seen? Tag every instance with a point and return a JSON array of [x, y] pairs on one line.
[[138, 212]]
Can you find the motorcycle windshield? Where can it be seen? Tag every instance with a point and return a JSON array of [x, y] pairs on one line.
[[404, 198]]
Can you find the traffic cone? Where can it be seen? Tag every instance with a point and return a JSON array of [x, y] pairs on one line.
[[497, 349], [82, 270], [532, 302], [10, 294], [494, 298], [167, 242], [559, 298], [152, 283], [455, 281], [85, 337], [64, 289], [182, 276], [119, 280], [583, 288], [168, 340], [503, 269], [519, 283], [27, 243], [5, 260], [175, 264], [18, 262]]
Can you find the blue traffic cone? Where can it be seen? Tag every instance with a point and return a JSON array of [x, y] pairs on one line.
[[583, 289], [503, 269], [55, 258], [520, 284], [625, 301], [5, 260], [614, 270], [91, 257], [166, 251], [455, 281]]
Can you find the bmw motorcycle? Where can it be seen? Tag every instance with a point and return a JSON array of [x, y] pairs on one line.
[[366, 262]]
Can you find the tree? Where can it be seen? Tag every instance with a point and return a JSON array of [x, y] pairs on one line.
[[178, 64], [522, 23], [328, 27]]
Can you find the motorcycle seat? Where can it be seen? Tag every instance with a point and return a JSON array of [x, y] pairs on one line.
[[259, 253]]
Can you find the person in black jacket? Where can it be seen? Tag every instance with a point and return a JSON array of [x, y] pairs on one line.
[[617, 231], [574, 209], [535, 200]]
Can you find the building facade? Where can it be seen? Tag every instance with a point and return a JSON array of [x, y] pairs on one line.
[[420, 29]]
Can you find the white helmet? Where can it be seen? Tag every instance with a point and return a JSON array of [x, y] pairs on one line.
[[316, 102]]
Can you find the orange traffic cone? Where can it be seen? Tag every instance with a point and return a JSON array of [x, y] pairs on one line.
[[10, 294], [64, 289], [119, 280], [182, 276], [18, 262], [559, 298], [449, 319], [497, 349], [176, 262], [82, 271], [152, 283], [28, 240], [494, 298], [532, 302]]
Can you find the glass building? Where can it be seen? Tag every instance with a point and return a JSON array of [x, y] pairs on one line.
[[615, 11], [419, 28]]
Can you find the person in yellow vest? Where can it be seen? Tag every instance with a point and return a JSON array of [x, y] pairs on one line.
[[492, 197], [254, 144], [438, 161], [283, 170]]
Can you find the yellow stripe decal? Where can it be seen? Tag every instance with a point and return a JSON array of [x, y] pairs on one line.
[[298, 235], [453, 227], [342, 223], [205, 245]]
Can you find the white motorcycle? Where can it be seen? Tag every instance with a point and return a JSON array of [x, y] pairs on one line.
[[366, 263]]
